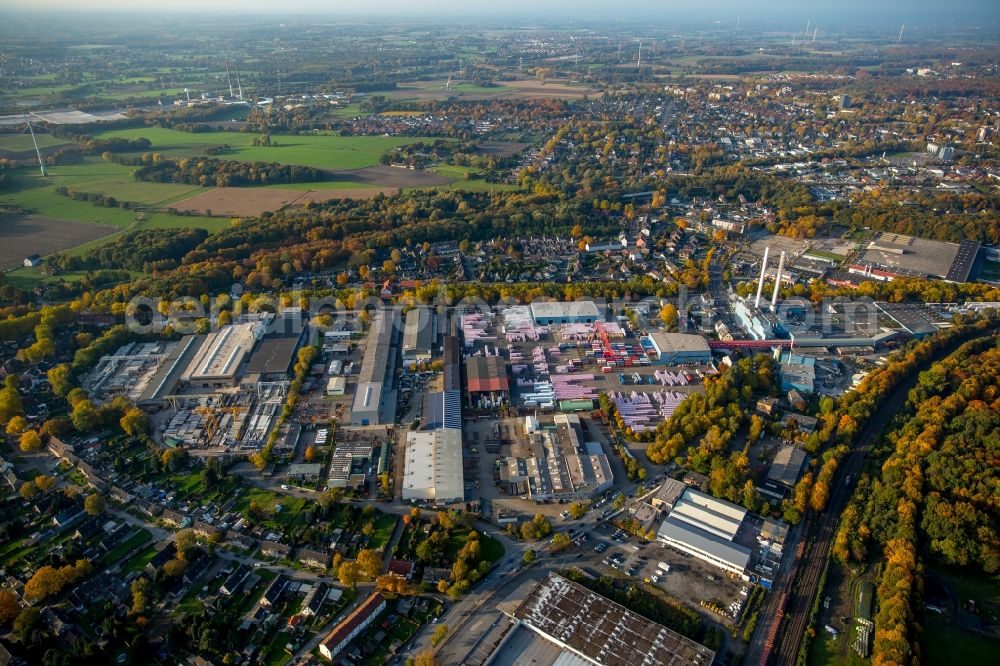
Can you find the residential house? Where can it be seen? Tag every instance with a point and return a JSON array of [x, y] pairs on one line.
[[352, 625]]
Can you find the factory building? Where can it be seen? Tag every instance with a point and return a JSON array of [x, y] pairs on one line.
[[273, 359], [145, 373], [452, 364], [433, 466], [488, 385], [154, 393], [680, 348], [371, 406], [443, 409], [798, 373], [784, 471], [556, 462], [419, 335], [221, 356], [563, 623], [758, 324], [707, 528], [574, 312]]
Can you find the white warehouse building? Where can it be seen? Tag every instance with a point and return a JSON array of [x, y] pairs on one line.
[[433, 466], [707, 528]]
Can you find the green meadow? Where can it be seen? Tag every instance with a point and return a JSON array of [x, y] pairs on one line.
[[323, 151]]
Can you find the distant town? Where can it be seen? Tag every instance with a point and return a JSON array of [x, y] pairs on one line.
[[430, 342]]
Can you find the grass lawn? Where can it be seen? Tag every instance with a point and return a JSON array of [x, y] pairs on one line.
[[21, 143], [825, 255], [77, 477], [322, 151], [491, 549], [28, 278], [944, 642], [274, 654], [384, 525], [139, 562], [348, 111], [130, 544]]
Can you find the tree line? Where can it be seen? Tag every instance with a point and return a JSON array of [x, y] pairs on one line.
[[933, 495]]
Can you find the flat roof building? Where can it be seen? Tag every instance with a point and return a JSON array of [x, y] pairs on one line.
[[798, 373], [558, 463], [573, 312], [706, 528], [921, 257], [220, 358], [787, 466], [419, 334], [336, 386], [680, 348], [588, 628], [370, 406], [273, 358], [433, 466]]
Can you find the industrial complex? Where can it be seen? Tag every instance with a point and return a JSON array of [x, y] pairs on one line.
[[562, 622]]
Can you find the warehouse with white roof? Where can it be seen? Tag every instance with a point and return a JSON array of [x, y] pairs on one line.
[[433, 466], [222, 354], [707, 528], [573, 312]]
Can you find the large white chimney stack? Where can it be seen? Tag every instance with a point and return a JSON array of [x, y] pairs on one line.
[[777, 282], [760, 282]]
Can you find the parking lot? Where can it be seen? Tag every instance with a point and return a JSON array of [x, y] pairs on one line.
[[689, 580]]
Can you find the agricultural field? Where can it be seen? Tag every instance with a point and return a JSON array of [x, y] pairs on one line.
[[20, 146], [242, 201], [322, 151], [22, 235]]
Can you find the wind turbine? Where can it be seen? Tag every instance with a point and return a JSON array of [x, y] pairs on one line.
[[900, 38], [638, 61], [41, 164]]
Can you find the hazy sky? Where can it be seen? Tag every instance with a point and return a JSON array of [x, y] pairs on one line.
[[845, 9]]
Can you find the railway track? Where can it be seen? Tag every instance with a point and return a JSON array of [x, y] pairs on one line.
[[780, 644]]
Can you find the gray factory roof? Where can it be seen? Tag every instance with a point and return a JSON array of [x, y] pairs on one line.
[[273, 356], [965, 261], [674, 530], [604, 632], [916, 318], [169, 372], [555, 310], [908, 254], [679, 343], [420, 331], [222, 352], [376, 361], [787, 465]]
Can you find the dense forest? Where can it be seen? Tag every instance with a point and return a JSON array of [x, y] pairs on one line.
[[933, 499], [146, 249], [206, 171]]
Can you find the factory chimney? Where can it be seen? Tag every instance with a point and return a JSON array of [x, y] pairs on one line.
[[777, 282], [760, 282]]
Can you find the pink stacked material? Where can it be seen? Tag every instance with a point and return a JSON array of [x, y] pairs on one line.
[[645, 411]]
